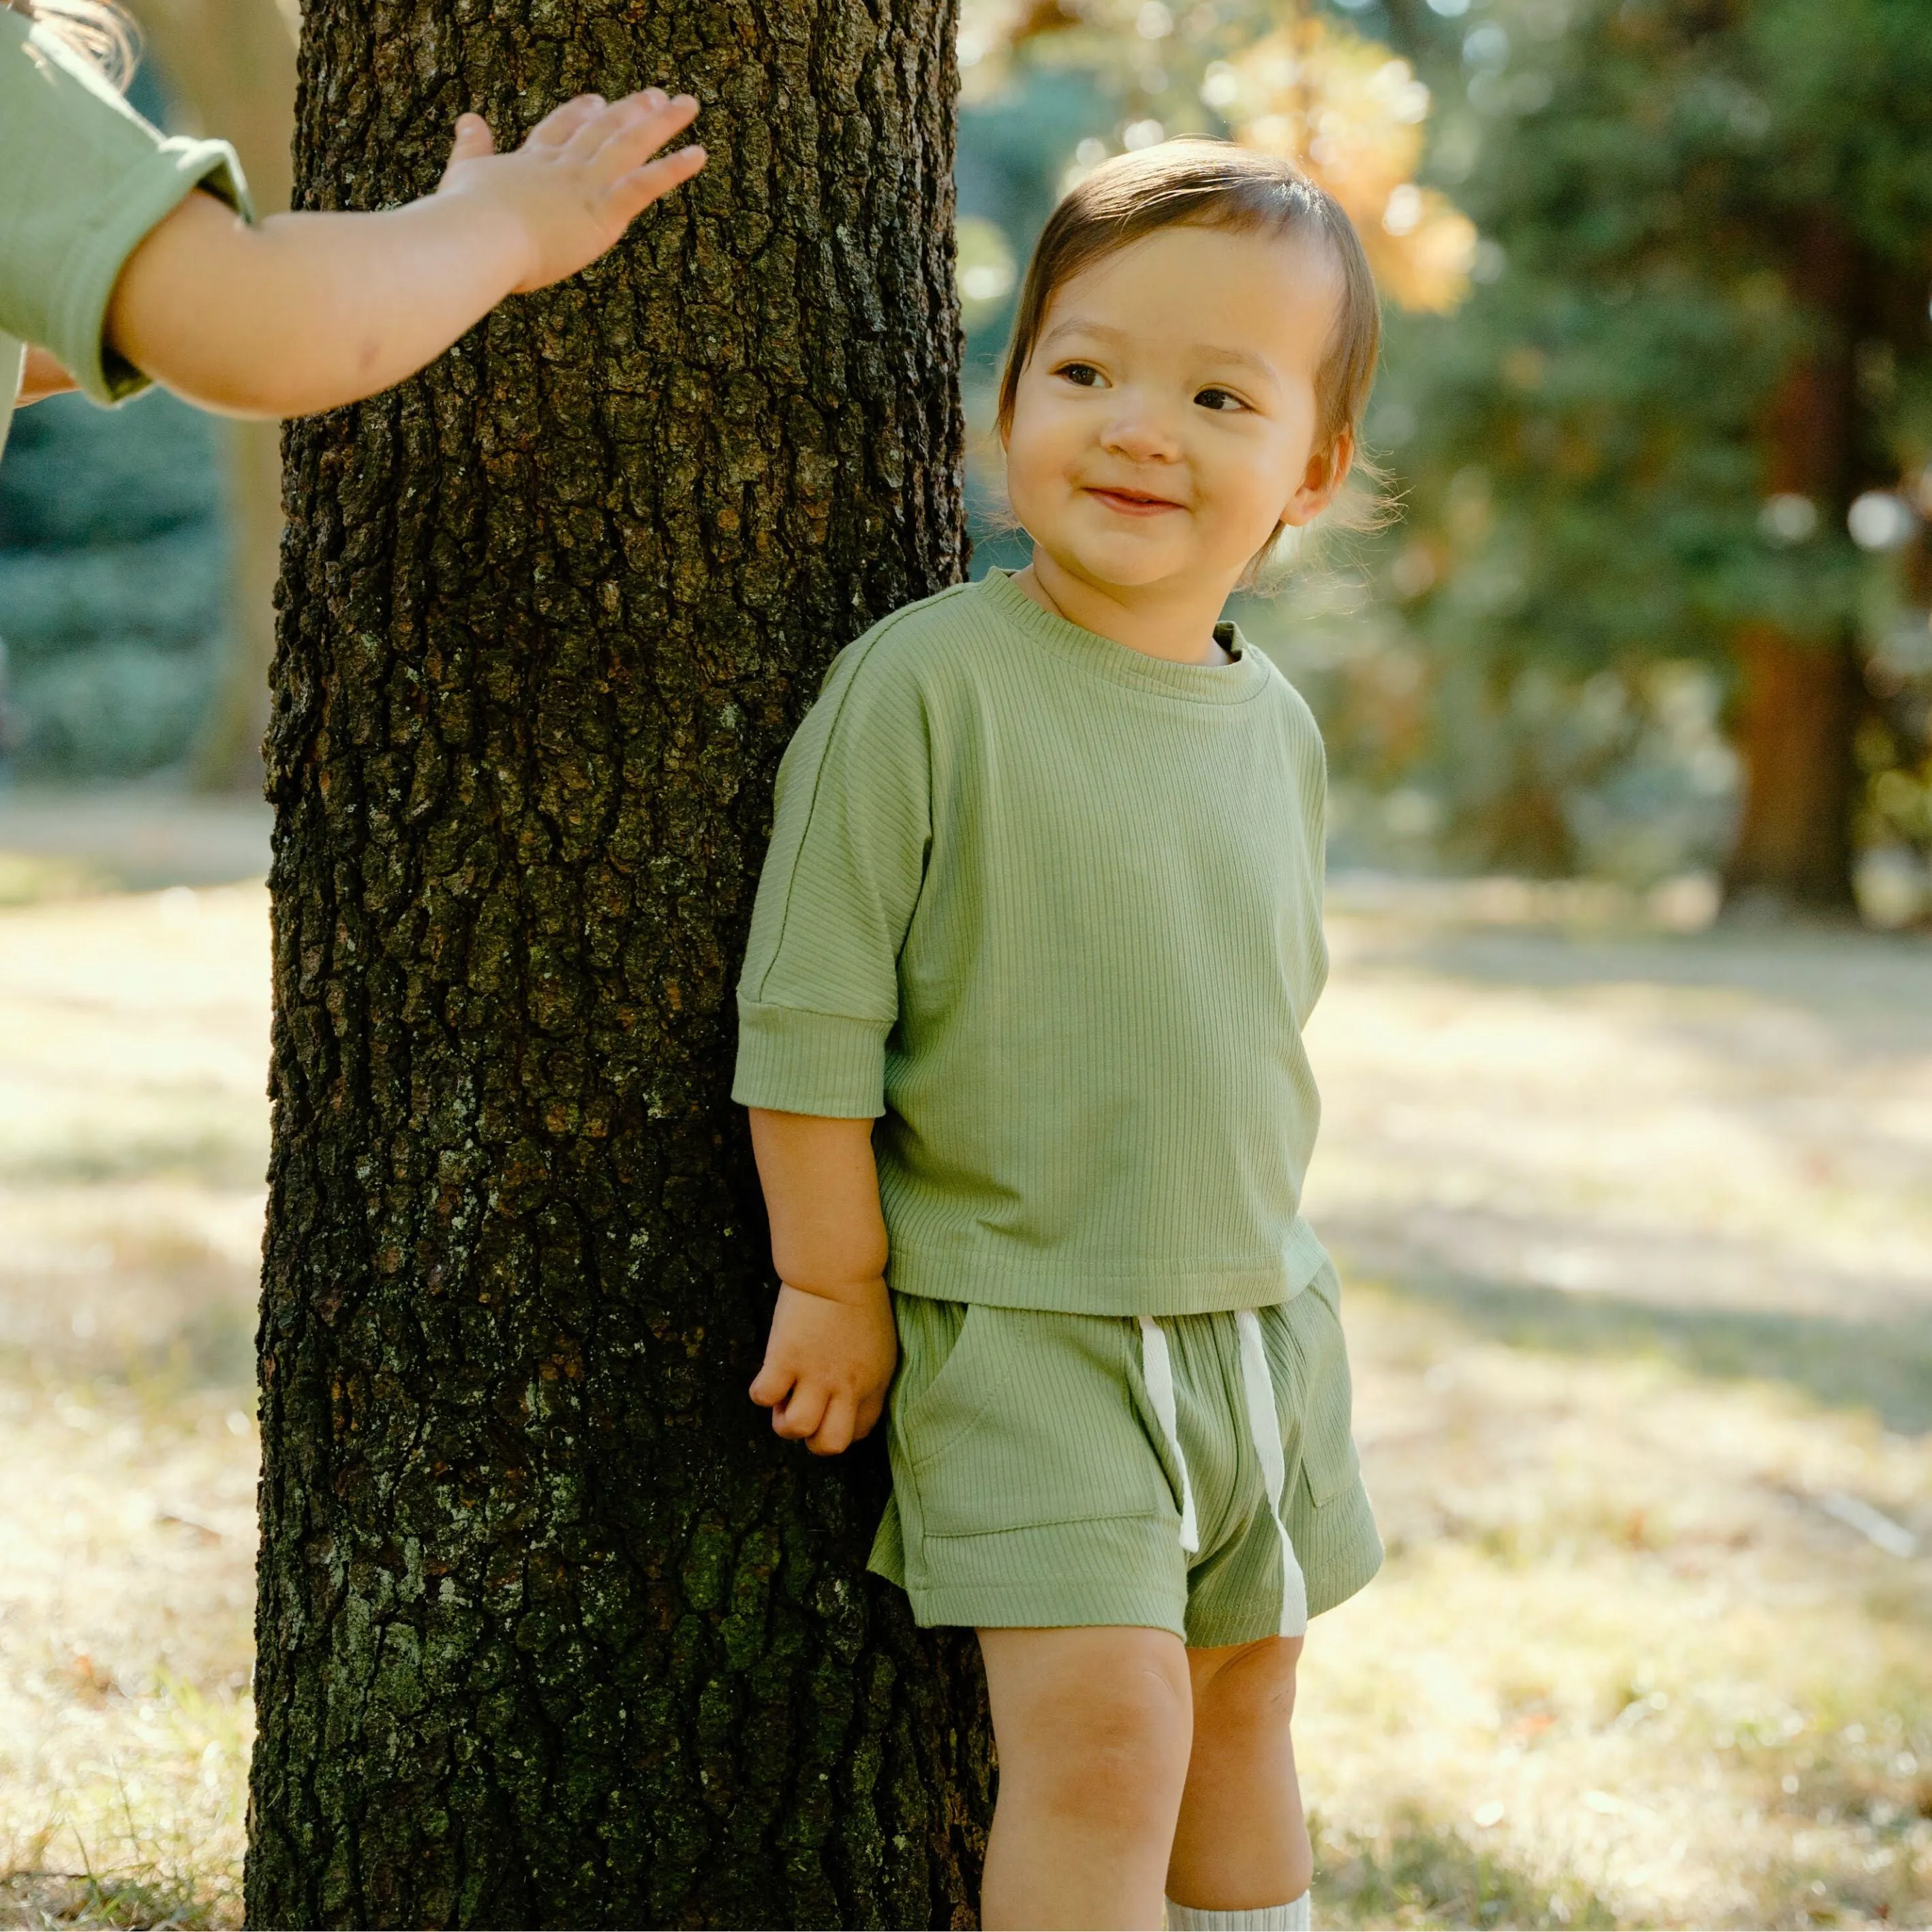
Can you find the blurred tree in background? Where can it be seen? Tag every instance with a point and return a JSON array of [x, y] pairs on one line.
[[112, 566], [1697, 383]]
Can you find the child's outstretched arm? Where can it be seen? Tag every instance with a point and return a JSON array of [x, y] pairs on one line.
[[829, 1360], [306, 312]]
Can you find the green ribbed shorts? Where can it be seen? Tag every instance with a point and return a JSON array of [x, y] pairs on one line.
[[1195, 1473]]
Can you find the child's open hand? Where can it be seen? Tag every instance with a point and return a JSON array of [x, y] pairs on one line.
[[828, 1366], [584, 174]]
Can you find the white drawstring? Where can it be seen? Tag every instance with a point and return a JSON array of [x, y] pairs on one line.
[[1157, 1370], [1265, 1427]]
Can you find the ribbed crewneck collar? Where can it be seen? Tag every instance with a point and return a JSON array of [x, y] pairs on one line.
[[1234, 683]]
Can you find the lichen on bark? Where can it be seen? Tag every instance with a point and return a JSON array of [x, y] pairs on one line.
[[550, 1630]]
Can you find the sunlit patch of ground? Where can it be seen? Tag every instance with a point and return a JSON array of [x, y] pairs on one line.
[[1627, 1649], [133, 1034], [1638, 1232]]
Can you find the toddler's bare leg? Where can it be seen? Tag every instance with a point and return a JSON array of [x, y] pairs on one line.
[[1093, 1730], [1241, 1842]]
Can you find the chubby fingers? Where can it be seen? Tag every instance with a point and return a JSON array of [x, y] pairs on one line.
[[833, 1436], [626, 136], [771, 1384], [799, 1417], [844, 1423], [561, 124], [800, 1411], [632, 194], [473, 139], [631, 131]]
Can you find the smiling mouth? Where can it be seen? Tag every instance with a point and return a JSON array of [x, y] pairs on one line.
[[1132, 502]]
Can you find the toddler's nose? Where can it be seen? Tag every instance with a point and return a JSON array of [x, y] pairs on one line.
[[1140, 435]]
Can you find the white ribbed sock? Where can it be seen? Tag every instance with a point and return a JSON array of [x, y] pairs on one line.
[[1292, 1917]]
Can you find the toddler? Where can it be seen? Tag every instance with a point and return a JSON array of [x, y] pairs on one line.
[[1021, 1034]]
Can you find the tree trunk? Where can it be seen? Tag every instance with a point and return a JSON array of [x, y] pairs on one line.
[[1798, 704], [551, 1630], [233, 61]]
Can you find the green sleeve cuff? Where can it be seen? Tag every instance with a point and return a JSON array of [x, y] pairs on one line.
[[91, 272], [790, 1061], [85, 180]]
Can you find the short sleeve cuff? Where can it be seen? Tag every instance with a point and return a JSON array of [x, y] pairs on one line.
[[148, 196], [790, 1061]]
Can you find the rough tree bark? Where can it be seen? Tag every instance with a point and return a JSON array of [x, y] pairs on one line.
[[550, 1630]]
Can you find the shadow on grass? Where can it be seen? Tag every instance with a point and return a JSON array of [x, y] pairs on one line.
[[1885, 1367], [1868, 988], [1418, 1872]]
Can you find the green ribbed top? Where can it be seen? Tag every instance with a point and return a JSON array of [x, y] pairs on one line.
[[1053, 907]]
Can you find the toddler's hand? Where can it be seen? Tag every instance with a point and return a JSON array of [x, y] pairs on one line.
[[828, 1366], [584, 173]]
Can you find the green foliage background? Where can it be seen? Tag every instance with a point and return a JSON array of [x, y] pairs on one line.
[[1530, 668], [112, 582]]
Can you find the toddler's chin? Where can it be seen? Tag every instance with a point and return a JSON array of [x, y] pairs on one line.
[[1122, 564]]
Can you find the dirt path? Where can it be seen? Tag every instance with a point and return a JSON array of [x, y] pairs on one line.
[[1639, 1237]]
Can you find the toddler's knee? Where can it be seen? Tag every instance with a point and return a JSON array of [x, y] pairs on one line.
[[1255, 1685], [1112, 1757]]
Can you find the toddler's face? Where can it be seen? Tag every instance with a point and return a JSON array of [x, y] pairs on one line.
[[1165, 424]]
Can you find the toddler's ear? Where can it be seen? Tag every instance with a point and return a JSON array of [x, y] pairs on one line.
[[1328, 470]]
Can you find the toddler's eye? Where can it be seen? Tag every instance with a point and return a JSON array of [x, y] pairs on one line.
[[1219, 399], [1084, 374]]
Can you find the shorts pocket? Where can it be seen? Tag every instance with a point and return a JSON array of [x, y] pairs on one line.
[[1031, 1420], [939, 1396], [1310, 1359]]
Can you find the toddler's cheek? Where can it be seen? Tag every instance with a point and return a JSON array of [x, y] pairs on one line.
[[1241, 521], [1028, 497]]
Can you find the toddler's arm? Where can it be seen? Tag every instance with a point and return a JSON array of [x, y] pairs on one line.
[[832, 1349], [306, 312]]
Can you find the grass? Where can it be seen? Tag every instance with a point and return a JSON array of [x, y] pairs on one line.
[[1641, 1260], [1640, 1257], [42, 1898], [1416, 1872], [125, 1647], [1622, 1655], [1885, 1367]]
